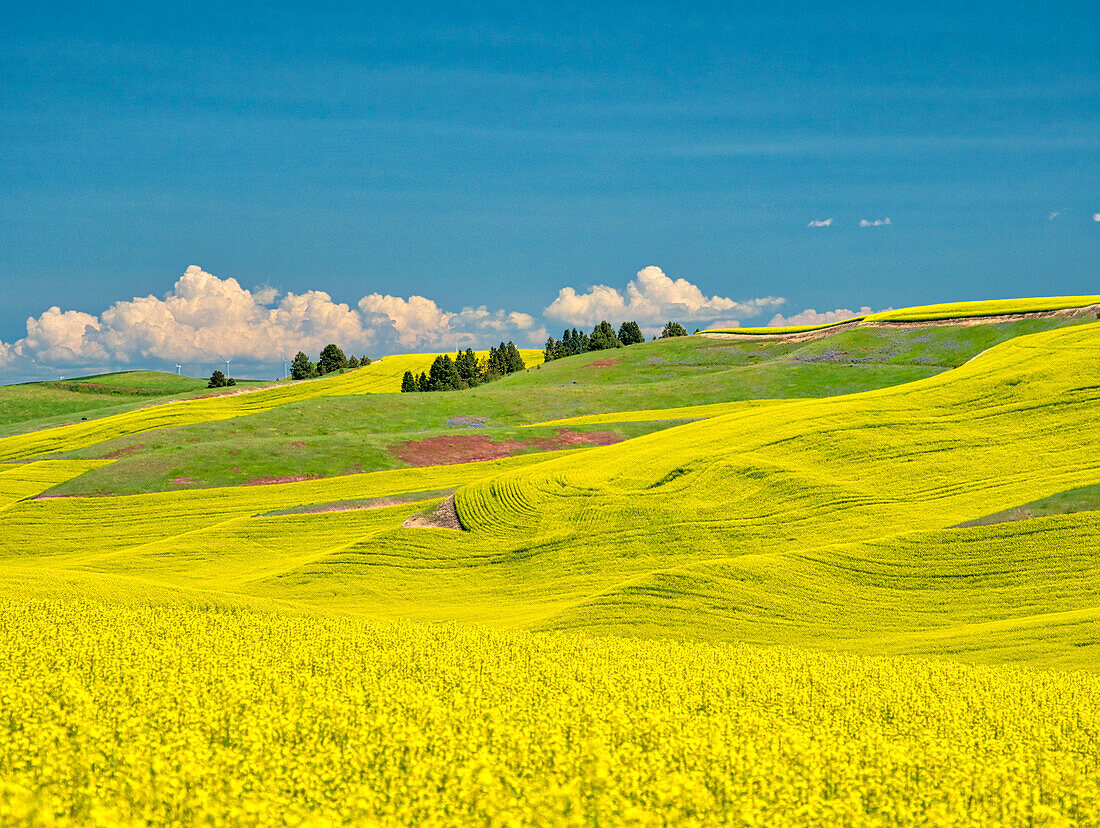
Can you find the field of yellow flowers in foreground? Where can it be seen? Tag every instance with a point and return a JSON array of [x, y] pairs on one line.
[[136, 713]]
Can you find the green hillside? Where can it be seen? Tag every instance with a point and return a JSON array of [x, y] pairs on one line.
[[850, 580]]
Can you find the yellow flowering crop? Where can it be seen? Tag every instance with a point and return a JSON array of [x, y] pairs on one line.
[[133, 714]]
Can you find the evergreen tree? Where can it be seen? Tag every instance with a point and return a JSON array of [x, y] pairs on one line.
[[550, 352], [301, 368], [422, 382], [603, 337], [408, 383], [630, 333], [217, 380], [353, 362], [442, 376], [467, 368], [580, 341], [497, 365], [673, 329], [332, 359], [513, 358]]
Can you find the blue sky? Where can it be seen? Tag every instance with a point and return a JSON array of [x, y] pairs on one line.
[[497, 154]]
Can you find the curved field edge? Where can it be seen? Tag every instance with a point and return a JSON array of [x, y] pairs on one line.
[[188, 714], [931, 313]]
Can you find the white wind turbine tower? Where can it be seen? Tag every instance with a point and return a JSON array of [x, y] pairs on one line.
[[284, 367], [226, 361], [178, 367]]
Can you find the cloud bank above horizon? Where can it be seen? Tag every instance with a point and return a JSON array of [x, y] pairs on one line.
[[204, 319], [651, 298]]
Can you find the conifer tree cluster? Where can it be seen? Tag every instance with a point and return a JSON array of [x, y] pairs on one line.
[[331, 360], [602, 338], [220, 380], [465, 370]]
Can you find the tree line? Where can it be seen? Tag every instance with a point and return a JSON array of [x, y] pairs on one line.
[[602, 338], [465, 370], [331, 360]]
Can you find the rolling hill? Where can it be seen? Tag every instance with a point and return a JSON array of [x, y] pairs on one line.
[[772, 577]]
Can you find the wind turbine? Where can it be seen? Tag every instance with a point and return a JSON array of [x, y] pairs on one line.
[[178, 367], [284, 367], [226, 361]]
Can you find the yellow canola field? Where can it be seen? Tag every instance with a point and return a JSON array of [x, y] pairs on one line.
[[23, 480], [744, 526], [380, 377], [80, 530], [1002, 430], [929, 313], [132, 714], [989, 307]]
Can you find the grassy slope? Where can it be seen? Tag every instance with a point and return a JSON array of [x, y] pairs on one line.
[[326, 435], [32, 406], [35, 405], [1081, 499], [814, 522]]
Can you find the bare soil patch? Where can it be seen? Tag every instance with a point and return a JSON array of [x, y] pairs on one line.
[[603, 363], [469, 448], [445, 516], [184, 481], [566, 438]]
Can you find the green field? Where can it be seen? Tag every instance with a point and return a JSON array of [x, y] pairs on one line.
[[880, 548]]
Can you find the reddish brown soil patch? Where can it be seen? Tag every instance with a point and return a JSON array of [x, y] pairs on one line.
[[604, 363], [567, 439], [184, 481], [122, 452], [443, 451], [445, 516], [462, 448], [298, 444], [292, 478]]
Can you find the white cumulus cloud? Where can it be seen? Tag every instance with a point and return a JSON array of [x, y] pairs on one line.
[[820, 223], [62, 337], [651, 297], [205, 317], [874, 222], [1096, 216], [812, 317]]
